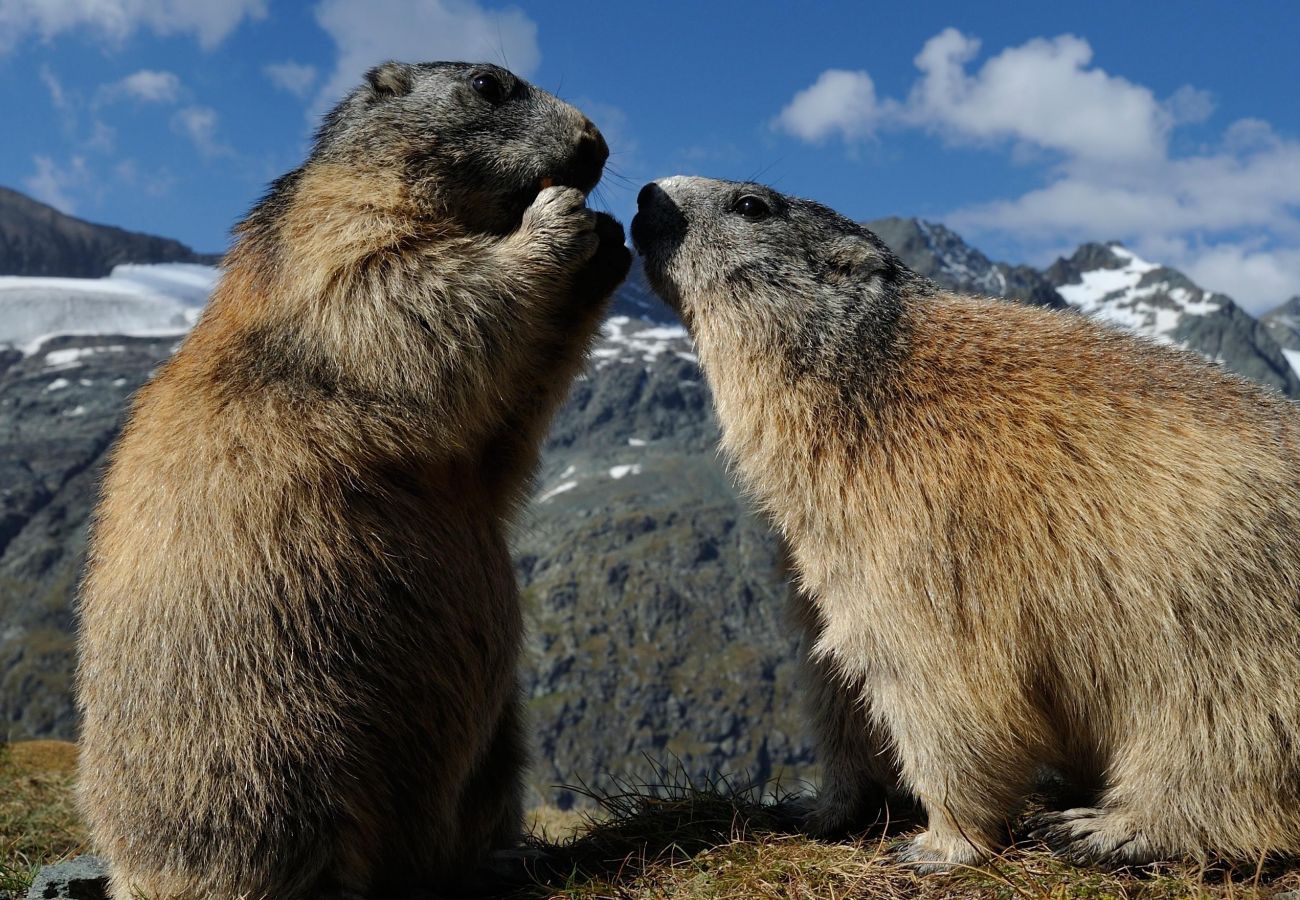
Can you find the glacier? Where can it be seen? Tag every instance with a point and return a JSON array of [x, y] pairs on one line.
[[133, 300]]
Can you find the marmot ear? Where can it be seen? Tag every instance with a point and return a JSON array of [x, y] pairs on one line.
[[849, 260], [392, 79]]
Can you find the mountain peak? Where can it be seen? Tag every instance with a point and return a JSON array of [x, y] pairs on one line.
[[940, 254], [37, 239]]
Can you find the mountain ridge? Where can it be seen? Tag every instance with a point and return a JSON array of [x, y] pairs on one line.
[[37, 239]]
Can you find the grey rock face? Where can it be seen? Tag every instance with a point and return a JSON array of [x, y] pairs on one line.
[[59, 412], [1283, 324], [82, 878]]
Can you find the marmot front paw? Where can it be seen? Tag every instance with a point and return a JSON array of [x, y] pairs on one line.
[[608, 266], [559, 227]]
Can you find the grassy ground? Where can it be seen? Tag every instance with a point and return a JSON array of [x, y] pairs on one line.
[[692, 844], [680, 841], [38, 821]]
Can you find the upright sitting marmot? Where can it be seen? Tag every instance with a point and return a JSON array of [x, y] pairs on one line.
[[300, 626], [1032, 542]]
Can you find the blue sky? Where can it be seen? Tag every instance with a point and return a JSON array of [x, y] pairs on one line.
[[1028, 127]]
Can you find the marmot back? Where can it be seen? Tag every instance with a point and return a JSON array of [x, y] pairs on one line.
[[300, 626], [1026, 541]]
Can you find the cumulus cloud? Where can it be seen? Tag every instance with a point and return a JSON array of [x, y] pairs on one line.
[[1044, 92], [209, 21], [145, 86], [293, 77], [53, 183], [838, 102], [1228, 214], [1259, 279], [367, 34], [199, 124]]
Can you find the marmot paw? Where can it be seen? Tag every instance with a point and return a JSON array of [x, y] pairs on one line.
[[1093, 836], [559, 226], [609, 266], [934, 851]]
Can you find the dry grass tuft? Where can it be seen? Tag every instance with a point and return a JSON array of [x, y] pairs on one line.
[[687, 842], [673, 839], [38, 817]]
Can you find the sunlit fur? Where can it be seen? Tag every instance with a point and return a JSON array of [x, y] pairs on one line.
[[1026, 541], [300, 626]]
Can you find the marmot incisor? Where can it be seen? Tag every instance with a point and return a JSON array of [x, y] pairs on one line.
[[300, 626], [1032, 542]]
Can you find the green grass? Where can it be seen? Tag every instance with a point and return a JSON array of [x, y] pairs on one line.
[[38, 816]]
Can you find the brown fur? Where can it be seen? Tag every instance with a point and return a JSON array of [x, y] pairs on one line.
[[1030, 542], [300, 626]]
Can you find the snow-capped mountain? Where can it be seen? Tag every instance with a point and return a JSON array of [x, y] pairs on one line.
[[940, 254], [1112, 283]]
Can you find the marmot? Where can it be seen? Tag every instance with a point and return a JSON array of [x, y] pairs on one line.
[[300, 626], [1033, 543]]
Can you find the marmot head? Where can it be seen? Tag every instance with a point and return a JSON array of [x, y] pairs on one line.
[[741, 262], [474, 142]]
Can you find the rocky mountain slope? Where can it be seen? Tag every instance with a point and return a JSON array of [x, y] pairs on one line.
[[1283, 324], [656, 607], [37, 239], [940, 254]]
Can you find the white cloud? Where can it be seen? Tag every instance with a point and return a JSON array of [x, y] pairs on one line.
[[102, 137], [293, 77], [58, 96], [1189, 105], [1043, 92], [367, 34], [1258, 279], [1228, 214], [199, 124], [210, 21], [155, 183], [146, 86], [839, 101], [53, 184]]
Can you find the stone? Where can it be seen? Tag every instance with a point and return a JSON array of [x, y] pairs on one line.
[[81, 878]]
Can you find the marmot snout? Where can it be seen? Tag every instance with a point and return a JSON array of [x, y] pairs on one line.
[[1024, 541]]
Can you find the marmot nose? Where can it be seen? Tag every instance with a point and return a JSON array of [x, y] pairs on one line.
[[592, 144], [648, 194]]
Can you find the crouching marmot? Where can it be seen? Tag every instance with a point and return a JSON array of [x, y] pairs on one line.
[[1032, 543], [300, 627]]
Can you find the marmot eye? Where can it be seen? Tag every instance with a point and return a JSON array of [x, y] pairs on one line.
[[751, 207], [489, 87]]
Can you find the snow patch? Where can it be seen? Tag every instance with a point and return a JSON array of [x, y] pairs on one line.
[[620, 344], [57, 384], [1119, 297], [618, 472], [1293, 357], [70, 358], [557, 490]]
